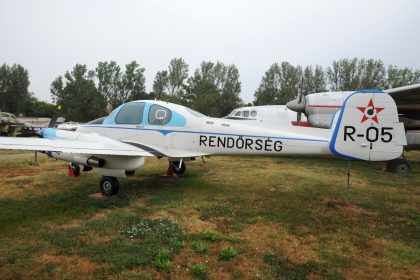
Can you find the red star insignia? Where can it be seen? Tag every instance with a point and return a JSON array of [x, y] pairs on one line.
[[370, 112]]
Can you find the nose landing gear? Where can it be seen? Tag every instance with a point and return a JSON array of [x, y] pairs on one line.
[[177, 167], [109, 186]]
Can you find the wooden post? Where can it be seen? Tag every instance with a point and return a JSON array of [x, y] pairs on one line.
[[346, 197]]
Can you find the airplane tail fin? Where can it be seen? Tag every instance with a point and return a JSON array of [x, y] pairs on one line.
[[368, 128]]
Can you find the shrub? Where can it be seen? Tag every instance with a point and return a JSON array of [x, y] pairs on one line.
[[199, 270], [200, 247], [227, 253], [212, 236], [161, 261]]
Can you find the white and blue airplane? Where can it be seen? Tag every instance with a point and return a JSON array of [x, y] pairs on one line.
[[365, 128]]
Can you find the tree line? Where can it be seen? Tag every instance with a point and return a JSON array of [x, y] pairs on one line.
[[282, 81], [15, 96], [213, 88]]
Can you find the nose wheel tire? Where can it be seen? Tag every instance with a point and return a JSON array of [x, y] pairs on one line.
[[176, 168], [109, 186]]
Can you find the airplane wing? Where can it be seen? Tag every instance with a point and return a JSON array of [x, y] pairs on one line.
[[107, 147], [408, 104], [91, 144]]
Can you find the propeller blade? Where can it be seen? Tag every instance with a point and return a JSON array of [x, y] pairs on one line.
[[299, 97], [54, 117]]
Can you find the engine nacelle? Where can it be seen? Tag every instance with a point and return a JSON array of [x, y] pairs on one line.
[[107, 165], [86, 160], [321, 107]]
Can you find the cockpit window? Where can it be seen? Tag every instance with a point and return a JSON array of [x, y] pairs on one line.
[[195, 113], [245, 114], [237, 114], [159, 115], [253, 114], [131, 113]]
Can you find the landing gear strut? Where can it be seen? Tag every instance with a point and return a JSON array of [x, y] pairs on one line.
[[109, 186], [178, 167]]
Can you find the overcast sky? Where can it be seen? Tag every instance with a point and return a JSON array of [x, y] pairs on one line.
[[50, 37]]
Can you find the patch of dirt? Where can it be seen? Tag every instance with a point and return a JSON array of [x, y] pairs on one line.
[[194, 225], [6, 274], [189, 219], [183, 261], [264, 238], [26, 171], [250, 265], [223, 225], [74, 264], [102, 214], [71, 224], [373, 268], [340, 205], [216, 269]]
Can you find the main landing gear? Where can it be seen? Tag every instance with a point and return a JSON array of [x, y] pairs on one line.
[[109, 186], [176, 168], [399, 165]]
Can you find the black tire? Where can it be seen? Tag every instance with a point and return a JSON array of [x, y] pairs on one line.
[[400, 165], [109, 186], [176, 169]]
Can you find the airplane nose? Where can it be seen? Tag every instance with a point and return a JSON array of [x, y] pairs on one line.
[[294, 105]]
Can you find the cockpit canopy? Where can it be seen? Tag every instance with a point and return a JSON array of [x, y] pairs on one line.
[[151, 113]]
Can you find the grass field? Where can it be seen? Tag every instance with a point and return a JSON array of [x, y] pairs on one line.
[[229, 218]]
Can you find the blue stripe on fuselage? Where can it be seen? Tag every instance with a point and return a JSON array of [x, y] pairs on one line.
[[166, 131]]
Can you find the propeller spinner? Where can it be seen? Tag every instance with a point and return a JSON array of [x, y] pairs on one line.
[[297, 105]]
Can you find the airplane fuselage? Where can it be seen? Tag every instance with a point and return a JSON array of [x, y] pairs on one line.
[[221, 136]]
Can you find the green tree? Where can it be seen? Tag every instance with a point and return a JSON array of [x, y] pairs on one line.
[[281, 83], [214, 89], [291, 81], [133, 82], [78, 95], [160, 85], [269, 90], [37, 108], [308, 80], [319, 83], [398, 77], [170, 84], [177, 75], [230, 87], [344, 75], [4, 83], [14, 84], [109, 81], [372, 74], [202, 95]]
